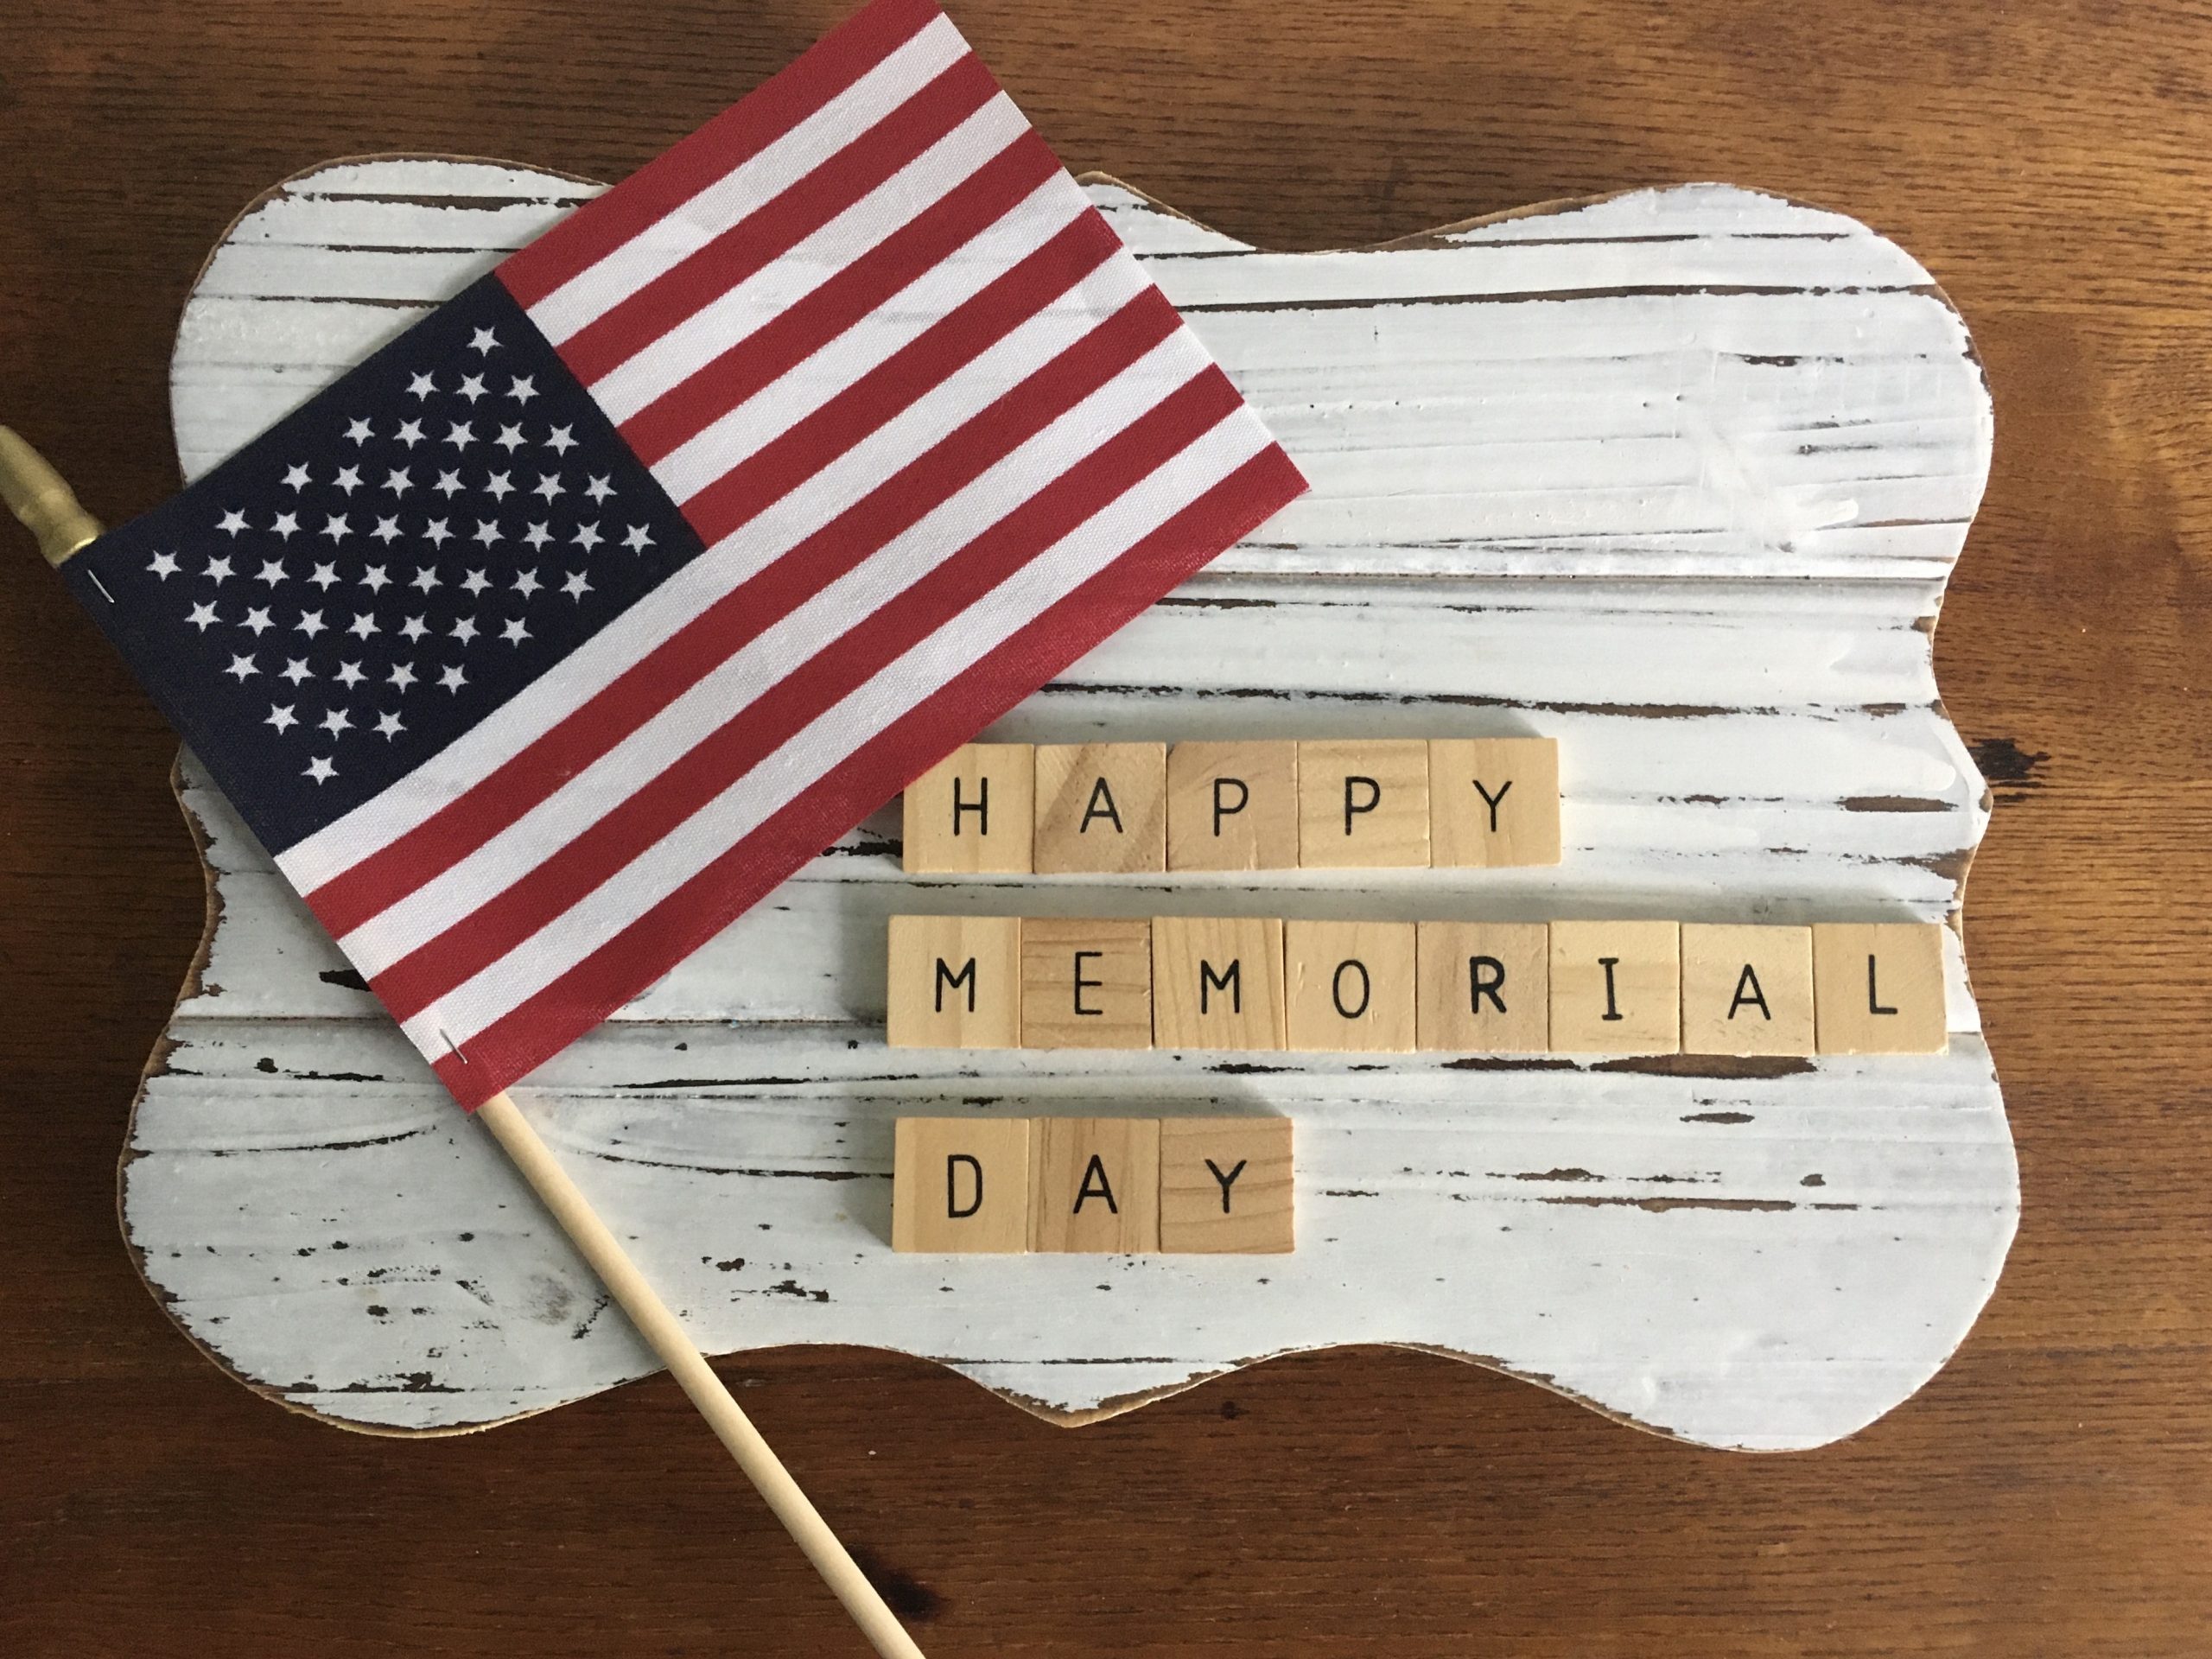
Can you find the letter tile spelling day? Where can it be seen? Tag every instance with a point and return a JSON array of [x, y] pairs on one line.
[[1115, 1186]]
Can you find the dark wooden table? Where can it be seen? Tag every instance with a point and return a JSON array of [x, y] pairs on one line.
[[2051, 1492]]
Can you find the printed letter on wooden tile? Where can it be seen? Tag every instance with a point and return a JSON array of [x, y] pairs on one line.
[[1746, 990], [1233, 806], [1349, 986], [954, 982], [960, 1183], [1493, 801], [1616, 987], [1101, 808], [1086, 984], [1484, 986], [1216, 982], [1363, 806], [1878, 988], [1225, 1184], [972, 812], [1094, 1184]]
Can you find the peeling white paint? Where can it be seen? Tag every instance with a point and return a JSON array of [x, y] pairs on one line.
[[1688, 510]]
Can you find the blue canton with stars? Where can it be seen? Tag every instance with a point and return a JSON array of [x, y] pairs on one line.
[[385, 566]]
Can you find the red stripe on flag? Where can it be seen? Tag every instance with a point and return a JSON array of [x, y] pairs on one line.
[[630, 830], [770, 232], [721, 384], [666, 183], [932, 357], [457, 828], [680, 924]]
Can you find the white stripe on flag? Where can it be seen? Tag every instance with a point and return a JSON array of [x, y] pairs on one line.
[[737, 435], [832, 737], [735, 313], [742, 191], [383, 818]]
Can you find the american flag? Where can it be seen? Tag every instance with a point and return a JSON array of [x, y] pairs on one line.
[[554, 636]]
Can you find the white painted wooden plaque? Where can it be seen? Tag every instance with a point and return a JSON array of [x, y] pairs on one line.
[[1676, 477]]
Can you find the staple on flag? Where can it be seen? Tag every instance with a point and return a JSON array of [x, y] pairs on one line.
[[551, 637]]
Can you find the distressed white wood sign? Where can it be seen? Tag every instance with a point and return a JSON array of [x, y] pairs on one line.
[[1676, 477]]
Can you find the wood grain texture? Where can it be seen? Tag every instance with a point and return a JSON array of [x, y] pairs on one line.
[[2041, 1495], [1362, 803], [953, 982], [1483, 987], [1094, 1187], [1746, 990], [1876, 988], [960, 1185], [1101, 808], [972, 811], [1218, 983], [1493, 802], [1232, 806], [1226, 1184]]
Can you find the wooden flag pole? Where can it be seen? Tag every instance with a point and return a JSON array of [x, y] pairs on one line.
[[666, 1337], [37, 494]]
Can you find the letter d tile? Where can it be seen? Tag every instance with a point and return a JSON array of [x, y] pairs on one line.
[[960, 1185]]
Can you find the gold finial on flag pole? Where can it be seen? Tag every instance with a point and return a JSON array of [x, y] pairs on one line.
[[35, 494]]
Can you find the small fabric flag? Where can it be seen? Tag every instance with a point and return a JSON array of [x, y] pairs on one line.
[[550, 638]]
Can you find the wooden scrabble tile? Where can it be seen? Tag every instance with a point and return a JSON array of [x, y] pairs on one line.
[[1101, 807], [1216, 982], [1225, 1185], [960, 1183], [1363, 806], [954, 982], [1616, 987], [1877, 988], [1349, 986], [1493, 801], [1094, 1184], [1485, 987], [1086, 984], [1233, 806], [1746, 990], [972, 812]]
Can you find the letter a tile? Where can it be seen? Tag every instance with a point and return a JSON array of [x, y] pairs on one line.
[[1101, 808], [1746, 990], [1094, 1185]]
